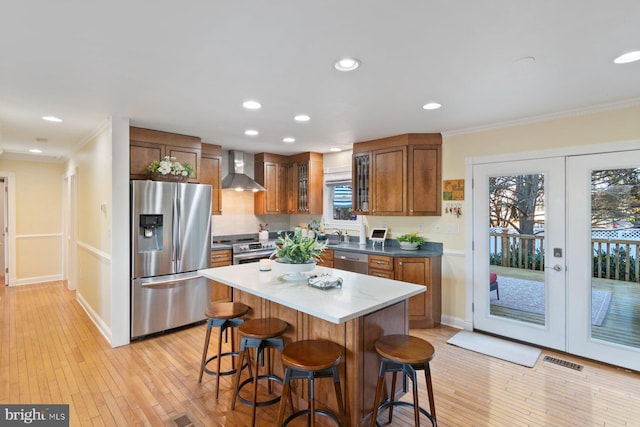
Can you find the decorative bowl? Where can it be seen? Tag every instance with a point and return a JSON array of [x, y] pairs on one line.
[[407, 246], [294, 272]]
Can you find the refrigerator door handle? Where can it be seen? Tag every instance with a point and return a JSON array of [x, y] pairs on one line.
[[171, 283], [174, 231], [179, 227]]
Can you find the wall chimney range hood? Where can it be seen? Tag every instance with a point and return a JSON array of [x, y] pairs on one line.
[[236, 179]]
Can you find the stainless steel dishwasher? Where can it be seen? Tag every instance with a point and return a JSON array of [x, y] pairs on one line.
[[351, 261]]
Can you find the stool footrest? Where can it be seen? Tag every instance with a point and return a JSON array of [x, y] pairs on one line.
[[222, 374], [307, 412], [250, 381]]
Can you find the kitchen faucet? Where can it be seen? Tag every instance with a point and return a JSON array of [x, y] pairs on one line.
[[342, 236]]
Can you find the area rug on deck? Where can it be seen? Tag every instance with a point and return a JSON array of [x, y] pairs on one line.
[[495, 347], [528, 295]]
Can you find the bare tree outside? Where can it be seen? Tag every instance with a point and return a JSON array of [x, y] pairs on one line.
[[515, 200]]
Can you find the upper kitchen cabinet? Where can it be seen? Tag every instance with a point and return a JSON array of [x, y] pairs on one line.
[[399, 175], [146, 145], [305, 184], [211, 173], [270, 171]]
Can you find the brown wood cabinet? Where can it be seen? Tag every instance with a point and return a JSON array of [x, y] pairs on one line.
[[305, 187], [425, 309], [399, 175], [270, 171], [146, 145], [326, 259], [294, 184], [219, 291], [381, 266], [211, 173]]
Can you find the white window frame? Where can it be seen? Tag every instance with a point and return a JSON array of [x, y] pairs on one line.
[[334, 176]]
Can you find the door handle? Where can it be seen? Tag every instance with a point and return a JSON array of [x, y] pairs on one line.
[[556, 267]]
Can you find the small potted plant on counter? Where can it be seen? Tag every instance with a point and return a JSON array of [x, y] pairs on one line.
[[297, 253], [410, 241]]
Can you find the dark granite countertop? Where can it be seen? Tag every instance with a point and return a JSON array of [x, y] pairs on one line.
[[220, 246], [391, 248]]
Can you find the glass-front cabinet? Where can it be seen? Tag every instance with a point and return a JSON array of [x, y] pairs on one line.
[[399, 175], [305, 184]]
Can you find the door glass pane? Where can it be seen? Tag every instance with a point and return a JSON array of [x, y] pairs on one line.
[[615, 236], [516, 254]]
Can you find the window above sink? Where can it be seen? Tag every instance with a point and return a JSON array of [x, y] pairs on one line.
[[337, 204]]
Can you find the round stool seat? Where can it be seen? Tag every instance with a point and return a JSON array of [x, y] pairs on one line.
[[221, 315], [226, 310], [309, 360], [405, 349], [405, 354], [312, 355], [263, 328]]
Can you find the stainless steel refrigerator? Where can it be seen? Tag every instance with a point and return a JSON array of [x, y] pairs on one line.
[[170, 241]]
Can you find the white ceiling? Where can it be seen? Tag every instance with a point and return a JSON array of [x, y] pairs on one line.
[[187, 67]]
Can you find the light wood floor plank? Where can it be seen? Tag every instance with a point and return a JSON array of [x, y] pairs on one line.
[[50, 352]]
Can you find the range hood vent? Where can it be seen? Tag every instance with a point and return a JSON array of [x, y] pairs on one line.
[[237, 180]]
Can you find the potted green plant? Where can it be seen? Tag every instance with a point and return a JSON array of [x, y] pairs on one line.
[[410, 241], [297, 253]]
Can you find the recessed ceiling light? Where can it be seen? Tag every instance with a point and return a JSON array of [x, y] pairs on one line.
[[288, 140], [335, 149], [251, 105], [251, 132], [302, 118], [35, 151], [432, 106], [628, 57], [347, 64], [52, 119]]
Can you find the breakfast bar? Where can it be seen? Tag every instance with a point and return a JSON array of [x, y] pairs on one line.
[[354, 315]]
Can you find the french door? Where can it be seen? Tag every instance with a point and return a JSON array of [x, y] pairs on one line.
[[519, 240], [556, 253], [603, 206]]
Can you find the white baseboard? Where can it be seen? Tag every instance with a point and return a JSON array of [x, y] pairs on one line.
[[37, 279], [454, 322], [97, 320]]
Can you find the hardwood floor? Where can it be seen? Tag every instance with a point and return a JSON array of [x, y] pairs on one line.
[[51, 353]]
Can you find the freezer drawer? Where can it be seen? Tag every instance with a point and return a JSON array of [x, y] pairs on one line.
[[167, 302]]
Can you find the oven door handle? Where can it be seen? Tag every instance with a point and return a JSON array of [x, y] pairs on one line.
[[254, 255]]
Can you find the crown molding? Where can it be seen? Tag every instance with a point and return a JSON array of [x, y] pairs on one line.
[[618, 105]]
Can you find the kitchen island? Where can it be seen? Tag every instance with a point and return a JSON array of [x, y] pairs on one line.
[[354, 316]]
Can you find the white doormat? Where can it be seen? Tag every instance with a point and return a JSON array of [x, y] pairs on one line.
[[496, 347]]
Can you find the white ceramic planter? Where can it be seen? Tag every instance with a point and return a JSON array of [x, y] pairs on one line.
[[294, 272], [409, 246]]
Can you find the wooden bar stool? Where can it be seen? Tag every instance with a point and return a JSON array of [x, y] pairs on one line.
[[311, 359], [223, 315], [261, 335], [406, 354]]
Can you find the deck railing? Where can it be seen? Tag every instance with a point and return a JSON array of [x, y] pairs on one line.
[[615, 259]]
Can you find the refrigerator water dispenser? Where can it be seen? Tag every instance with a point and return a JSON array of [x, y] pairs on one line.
[[150, 233]]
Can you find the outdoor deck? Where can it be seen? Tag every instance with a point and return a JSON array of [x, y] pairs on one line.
[[621, 324]]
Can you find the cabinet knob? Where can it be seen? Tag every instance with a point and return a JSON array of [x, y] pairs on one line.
[[400, 263]]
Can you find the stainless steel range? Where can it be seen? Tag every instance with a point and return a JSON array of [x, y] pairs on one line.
[[247, 252]]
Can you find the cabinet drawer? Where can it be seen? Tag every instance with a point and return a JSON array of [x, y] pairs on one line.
[[381, 273], [220, 258], [379, 262], [326, 259]]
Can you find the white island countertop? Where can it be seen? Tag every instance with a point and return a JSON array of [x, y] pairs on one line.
[[359, 295]]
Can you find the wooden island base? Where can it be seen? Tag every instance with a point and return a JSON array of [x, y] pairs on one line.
[[359, 371]]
